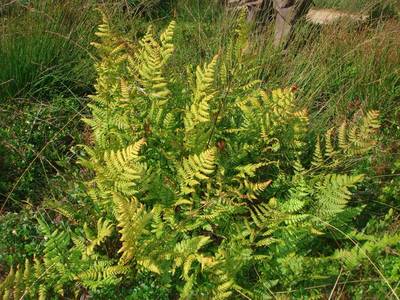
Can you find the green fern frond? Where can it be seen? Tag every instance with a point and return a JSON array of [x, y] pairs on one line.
[[318, 159], [104, 230], [204, 80], [149, 265], [187, 288], [123, 167], [199, 110], [253, 190], [24, 281], [260, 215], [329, 146], [361, 137], [333, 193], [101, 273], [224, 290], [130, 214], [365, 251], [195, 169], [104, 30], [152, 59], [167, 46]]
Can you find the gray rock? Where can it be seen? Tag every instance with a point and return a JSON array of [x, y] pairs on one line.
[[331, 16]]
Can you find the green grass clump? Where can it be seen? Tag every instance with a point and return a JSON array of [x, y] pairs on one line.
[[44, 49]]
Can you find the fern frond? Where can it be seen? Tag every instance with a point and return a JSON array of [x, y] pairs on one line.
[[253, 190], [260, 215], [329, 146], [354, 256], [333, 193], [150, 265], [204, 79], [104, 230], [199, 111], [195, 169], [152, 59], [130, 214], [123, 167], [102, 273], [24, 281], [318, 159], [361, 137], [104, 30], [224, 290], [187, 288], [342, 136], [167, 47]]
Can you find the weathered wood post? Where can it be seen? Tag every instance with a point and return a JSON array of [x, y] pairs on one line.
[[253, 6], [287, 13]]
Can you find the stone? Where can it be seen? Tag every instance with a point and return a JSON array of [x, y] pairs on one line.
[[332, 16]]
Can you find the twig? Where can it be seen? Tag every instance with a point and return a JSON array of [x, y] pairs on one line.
[[336, 283]]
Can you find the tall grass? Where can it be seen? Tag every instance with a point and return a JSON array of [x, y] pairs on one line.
[[44, 48], [339, 69], [45, 68]]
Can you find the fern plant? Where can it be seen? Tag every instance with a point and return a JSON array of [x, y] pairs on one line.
[[213, 195]]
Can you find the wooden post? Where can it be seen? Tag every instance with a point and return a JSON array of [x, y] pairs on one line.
[[253, 6], [287, 13]]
